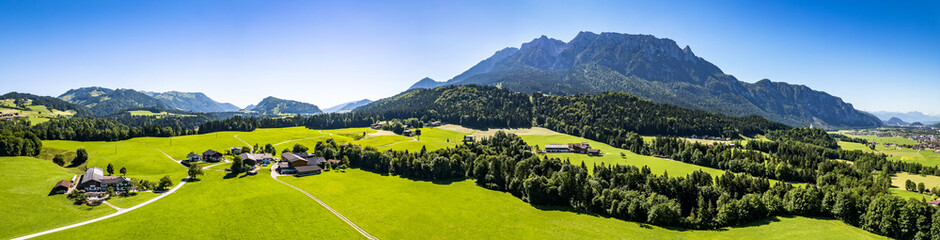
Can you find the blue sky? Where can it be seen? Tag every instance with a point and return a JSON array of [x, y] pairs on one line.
[[878, 55]]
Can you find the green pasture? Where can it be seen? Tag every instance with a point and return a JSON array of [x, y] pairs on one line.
[[611, 155], [142, 161], [26, 204], [390, 207], [251, 207]]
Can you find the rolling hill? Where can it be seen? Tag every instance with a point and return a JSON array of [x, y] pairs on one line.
[[655, 69], [274, 106], [104, 101]]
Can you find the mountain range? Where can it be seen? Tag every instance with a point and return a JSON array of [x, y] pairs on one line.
[[347, 107], [908, 116], [656, 69], [105, 101]]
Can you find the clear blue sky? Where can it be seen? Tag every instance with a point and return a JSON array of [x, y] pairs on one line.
[[878, 55]]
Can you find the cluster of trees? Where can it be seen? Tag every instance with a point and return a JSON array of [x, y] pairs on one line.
[[843, 137], [813, 136], [17, 140], [701, 201], [398, 125], [607, 116], [100, 129]]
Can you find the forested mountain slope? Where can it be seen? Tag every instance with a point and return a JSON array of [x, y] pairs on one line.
[[104, 101], [274, 106], [609, 113]]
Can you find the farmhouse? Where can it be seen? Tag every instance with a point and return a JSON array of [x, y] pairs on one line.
[[557, 148], [583, 148], [257, 158], [94, 180], [212, 156], [468, 138], [293, 164], [407, 133], [235, 150], [193, 157], [934, 202], [62, 187]]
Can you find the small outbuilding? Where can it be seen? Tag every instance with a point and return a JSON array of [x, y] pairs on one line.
[[468, 138], [62, 187]]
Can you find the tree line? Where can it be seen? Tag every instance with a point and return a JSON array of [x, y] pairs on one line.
[[17, 140]]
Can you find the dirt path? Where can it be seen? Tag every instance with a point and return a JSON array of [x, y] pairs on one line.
[[112, 206], [119, 210], [274, 175], [246, 143]]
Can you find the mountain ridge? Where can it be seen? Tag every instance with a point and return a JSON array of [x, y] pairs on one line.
[[656, 69]]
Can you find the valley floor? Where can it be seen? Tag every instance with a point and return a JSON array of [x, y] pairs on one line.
[[388, 207]]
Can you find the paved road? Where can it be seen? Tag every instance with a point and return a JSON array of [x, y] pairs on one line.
[[274, 175], [119, 212]]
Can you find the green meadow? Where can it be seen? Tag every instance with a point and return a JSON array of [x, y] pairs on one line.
[[924, 157], [387, 207], [142, 161], [889, 140], [250, 207], [26, 204], [390, 207], [611, 155]]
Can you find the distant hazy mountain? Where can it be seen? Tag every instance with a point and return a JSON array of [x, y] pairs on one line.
[[104, 101], [273, 106], [894, 121], [346, 107], [910, 116], [655, 69], [194, 101], [249, 107], [228, 107], [427, 83]]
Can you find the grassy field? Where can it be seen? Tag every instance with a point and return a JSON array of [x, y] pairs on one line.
[[899, 179], [141, 161], [926, 157], [35, 113], [889, 140], [26, 204], [387, 207], [612, 156], [398, 208], [252, 207], [149, 113]]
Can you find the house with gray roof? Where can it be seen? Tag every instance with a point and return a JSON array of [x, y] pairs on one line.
[[94, 180]]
